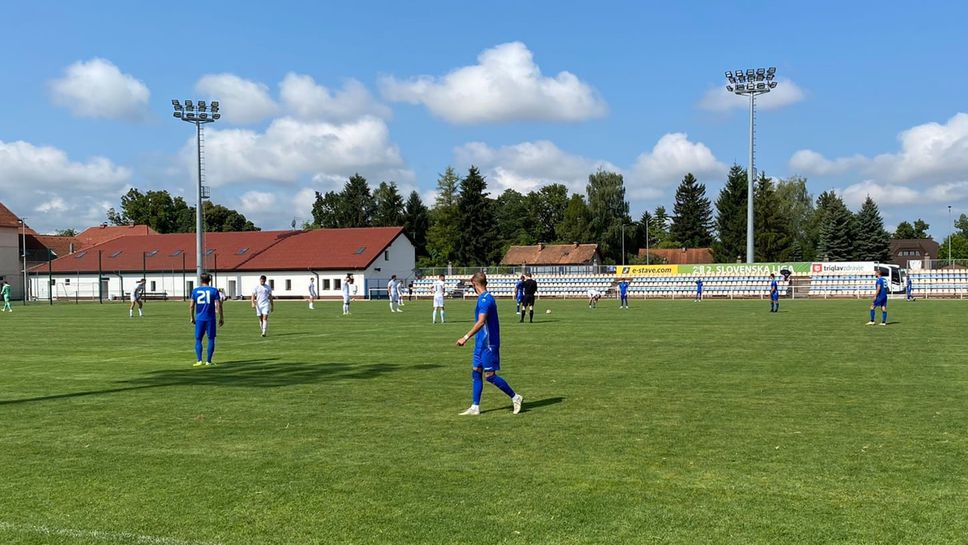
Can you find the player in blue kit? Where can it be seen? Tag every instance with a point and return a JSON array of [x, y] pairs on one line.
[[206, 303], [698, 290], [909, 288], [487, 348], [880, 298], [774, 294], [519, 293], [623, 294]]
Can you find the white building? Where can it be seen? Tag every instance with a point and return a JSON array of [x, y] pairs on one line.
[[236, 260], [11, 266]]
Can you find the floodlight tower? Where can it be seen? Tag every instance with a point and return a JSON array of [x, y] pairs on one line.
[[199, 115], [752, 82]]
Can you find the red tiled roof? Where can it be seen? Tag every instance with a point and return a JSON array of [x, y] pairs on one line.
[[551, 254], [320, 249], [60, 245], [103, 233], [8, 218], [681, 256]]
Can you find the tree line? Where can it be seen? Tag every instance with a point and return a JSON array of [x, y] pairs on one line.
[[167, 214]]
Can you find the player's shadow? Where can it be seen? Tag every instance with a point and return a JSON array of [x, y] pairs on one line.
[[530, 405], [263, 373]]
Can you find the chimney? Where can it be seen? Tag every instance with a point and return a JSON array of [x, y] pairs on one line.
[[104, 226], [540, 246], [575, 243]]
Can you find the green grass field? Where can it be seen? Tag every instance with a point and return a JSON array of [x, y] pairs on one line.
[[673, 422]]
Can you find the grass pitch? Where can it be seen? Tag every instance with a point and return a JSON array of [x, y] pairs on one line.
[[672, 422]]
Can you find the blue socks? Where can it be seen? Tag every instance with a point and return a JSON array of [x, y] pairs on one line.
[[198, 348], [501, 384], [872, 315], [211, 349], [478, 387], [884, 317]]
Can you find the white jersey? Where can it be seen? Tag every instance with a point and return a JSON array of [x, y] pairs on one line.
[[346, 292], [263, 294], [312, 289], [393, 289], [439, 288], [592, 292], [138, 293]]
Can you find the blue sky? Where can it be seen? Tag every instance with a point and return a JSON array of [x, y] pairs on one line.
[[871, 99]]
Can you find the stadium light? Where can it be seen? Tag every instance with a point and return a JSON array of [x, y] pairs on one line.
[[188, 114], [951, 226], [752, 82], [23, 235]]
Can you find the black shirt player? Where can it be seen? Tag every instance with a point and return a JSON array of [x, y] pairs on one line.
[[527, 304]]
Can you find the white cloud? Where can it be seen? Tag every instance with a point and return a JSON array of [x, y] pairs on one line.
[[528, 165], [811, 163], [883, 194], [505, 85], [718, 99], [291, 149], [241, 101], [97, 88], [306, 99], [670, 159]]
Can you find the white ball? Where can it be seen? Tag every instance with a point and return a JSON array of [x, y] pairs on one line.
[[548, 311]]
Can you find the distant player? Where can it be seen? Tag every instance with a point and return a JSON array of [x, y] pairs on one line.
[[519, 293], [623, 293], [774, 294], [312, 293], [594, 295], [393, 292], [440, 289], [698, 290], [908, 288], [348, 290], [880, 298], [400, 293], [487, 348], [410, 292], [206, 303], [527, 303], [5, 291], [137, 299], [262, 303]]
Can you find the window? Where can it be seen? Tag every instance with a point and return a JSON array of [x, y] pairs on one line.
[[153, 286], [116, 254], [326, 284], [80, 254], [272, 283], [386, 255], [190, 285], [152, 253], [288, 285], [242, 251], [176, 253], [360, 250], [210, 251], [336, 284], [67, 281]]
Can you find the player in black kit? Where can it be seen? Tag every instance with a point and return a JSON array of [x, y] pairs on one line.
[[530, 288]]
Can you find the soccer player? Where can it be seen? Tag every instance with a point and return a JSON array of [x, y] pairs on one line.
[[530, 288], [5, 291], [137, 298], [909, 288], [440, 289], [774, 294], [410, 292], [698, 290], [880, 298], [262, 303], [593, 296], [347, 295], [312, 293], [400, 294], [623, 293], [487, 348], [393, 292], [519, 293], [206, 303]]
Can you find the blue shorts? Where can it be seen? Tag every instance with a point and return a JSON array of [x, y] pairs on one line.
[[205, 327], [880, 302], [487, 359], [775, 296]]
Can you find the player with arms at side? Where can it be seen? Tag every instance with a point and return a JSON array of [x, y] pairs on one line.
[[527, 303], [348, 290], [262, 303], [519, 293], [206, 303], [5, 291], [137, 299], [487, 348], [880, 298], [774, 294], [623, 294], [393, 292], [312, 293], [440, 289]]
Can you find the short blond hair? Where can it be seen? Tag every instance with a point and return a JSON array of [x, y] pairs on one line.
[[479, 278]]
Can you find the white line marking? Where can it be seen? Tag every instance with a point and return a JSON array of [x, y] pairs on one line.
[[99, 535]]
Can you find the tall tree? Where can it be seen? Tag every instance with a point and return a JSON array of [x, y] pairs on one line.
[[326, 210], [511, 215], [444, 233], [416, 221], [574, 225], [69, 232], [157, 209], [962, 225], [905, 230], [772, 240], [692, 215], [731, 217], [609, 211], [388, 206], [796, 205], [356, 203], [546, 208], [476, 244], [221, 219], [836, 228], [871, 241]]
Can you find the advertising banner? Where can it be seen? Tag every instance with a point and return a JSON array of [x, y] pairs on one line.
[[646, 270], [840, 268], [743, 269]]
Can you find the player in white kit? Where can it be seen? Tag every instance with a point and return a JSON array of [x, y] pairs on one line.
[[440, 287], [312, 293], [348, 290], [262, 303], [393, 291]]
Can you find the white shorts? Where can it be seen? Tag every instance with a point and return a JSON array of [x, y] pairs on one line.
[[134, 298], [346, 300], [262, 310], [439, 301]]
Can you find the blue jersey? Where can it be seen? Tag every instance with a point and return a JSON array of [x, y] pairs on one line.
[[519, 290], [488, 336], [774, 289], [623, 288], [698, 285], [881, 288], [205, 297]]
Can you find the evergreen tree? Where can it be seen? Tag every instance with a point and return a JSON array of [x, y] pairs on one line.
[[872, 241], [796, 205], [692, 221], [476, 243], [326, 210], [574, 224], [731, 217], [444, 233], [356, 203], [609, 211], [905, 230], [836, 228], [388, 206], [416, 221], [772, 236]]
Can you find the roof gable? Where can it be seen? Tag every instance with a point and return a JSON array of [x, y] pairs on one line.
[[551, 254]]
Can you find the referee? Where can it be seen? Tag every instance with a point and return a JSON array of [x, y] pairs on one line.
[[527, 304]]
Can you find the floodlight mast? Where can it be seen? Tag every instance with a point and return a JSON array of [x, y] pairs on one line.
[[752, 82], [198, 115]]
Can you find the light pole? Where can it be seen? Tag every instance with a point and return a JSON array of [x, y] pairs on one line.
[[648, 220], [755, 81], [951, 233], [198, 115], [23, 242]]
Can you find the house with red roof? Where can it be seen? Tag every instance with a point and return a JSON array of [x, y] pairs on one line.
[[11, 266], [289, 259]]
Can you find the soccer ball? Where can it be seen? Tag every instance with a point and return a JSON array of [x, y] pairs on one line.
[[548, 311]]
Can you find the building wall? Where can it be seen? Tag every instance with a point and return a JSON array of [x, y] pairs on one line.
[[398, 259], [11, 268]]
